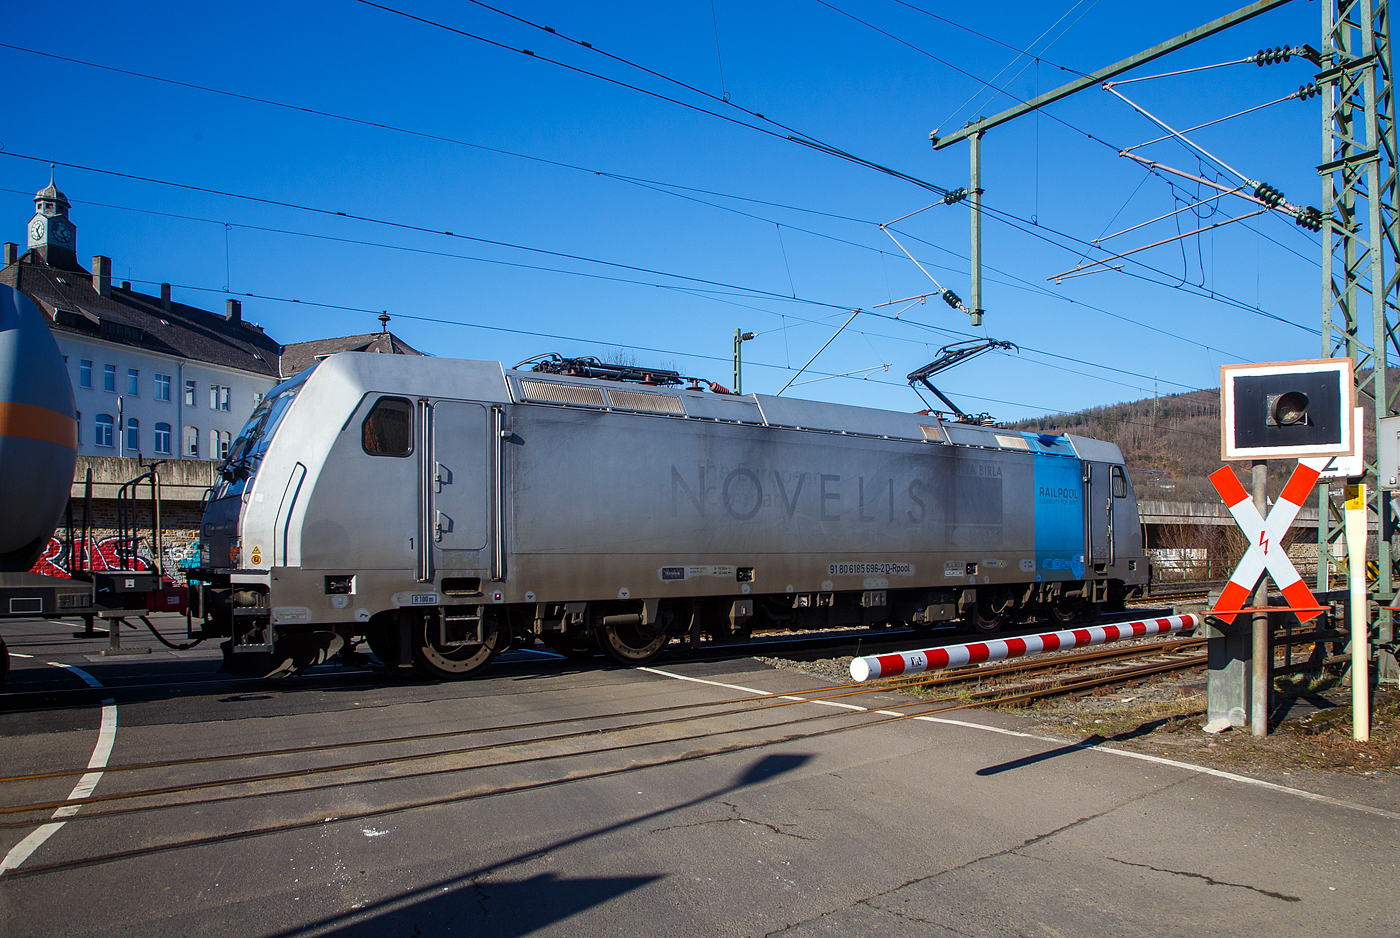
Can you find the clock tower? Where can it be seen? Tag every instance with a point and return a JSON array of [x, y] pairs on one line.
[[51, 235]]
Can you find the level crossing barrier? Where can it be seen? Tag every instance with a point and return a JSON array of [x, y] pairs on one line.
[[953, 656]]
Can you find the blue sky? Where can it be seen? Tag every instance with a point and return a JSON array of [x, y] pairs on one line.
[[777, 238]]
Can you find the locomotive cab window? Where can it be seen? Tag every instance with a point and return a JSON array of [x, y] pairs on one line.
[[388, 428], [1120, 484]]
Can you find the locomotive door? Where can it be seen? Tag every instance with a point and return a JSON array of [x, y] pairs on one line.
[[1098, 503], [459, 502]]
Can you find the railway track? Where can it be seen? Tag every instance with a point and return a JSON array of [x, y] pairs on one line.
[[208, 685], [1044, 676], [452, 755]]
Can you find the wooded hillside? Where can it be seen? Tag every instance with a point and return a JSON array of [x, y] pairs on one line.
[[1171, 443]]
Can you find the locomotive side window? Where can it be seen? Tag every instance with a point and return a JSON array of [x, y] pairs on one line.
[[1120, 484], [388, 428]]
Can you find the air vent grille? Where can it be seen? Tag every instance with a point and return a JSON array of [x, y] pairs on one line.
[[651, 403], [558, 393]]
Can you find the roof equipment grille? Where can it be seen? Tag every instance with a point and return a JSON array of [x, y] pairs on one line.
[[652, 403], [559, 393], [933, 434]]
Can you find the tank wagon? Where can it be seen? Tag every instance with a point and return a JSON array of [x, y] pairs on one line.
[[440, 509]]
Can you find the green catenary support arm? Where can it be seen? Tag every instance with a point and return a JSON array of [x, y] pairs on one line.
[[1104, 74]]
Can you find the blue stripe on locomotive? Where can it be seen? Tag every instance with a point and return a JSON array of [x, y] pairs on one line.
[[1059, 509]]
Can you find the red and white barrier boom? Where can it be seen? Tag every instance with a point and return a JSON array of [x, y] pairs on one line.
[[952, 656]]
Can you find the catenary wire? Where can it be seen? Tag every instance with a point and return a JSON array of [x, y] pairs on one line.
[[992, 39], [655, 185], [404, 226], [1031, 59], [1034, 229], [793, 136], [692, 354], [516, 264], [1206, 294], [641, 348]]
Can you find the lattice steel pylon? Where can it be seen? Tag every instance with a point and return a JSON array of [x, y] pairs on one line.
[[1360, 240]]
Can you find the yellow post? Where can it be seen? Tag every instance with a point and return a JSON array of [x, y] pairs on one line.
[[1360, 613]]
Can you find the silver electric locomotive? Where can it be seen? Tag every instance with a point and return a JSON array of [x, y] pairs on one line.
[[439, 509]]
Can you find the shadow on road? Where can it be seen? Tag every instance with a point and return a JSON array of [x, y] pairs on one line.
[[1088, 742], [494, 909], [473, 890]]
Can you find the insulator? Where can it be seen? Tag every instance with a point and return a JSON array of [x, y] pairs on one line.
[[1272, 56], [957, 195], [1310, 218], [952, 299], [1268, 195], [1310, 90]]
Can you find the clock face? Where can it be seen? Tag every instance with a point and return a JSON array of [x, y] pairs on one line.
[[36, 230], [62, 233]]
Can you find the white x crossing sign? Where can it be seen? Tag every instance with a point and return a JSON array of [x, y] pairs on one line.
[[1265, 543]]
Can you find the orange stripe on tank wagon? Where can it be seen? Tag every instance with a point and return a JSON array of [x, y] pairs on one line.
[[38, 423]]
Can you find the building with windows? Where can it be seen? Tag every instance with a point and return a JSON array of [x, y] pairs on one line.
[[151, 377], [300, 356], [153, 380]]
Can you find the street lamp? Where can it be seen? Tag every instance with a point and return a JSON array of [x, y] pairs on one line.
[[739, 339]]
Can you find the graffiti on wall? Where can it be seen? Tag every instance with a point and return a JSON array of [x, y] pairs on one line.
[[106, 554]]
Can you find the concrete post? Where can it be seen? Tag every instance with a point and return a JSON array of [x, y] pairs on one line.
[[1229, 677], [1360, 613]]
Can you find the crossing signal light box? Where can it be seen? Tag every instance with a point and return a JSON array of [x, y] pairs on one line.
[[1287, 410]]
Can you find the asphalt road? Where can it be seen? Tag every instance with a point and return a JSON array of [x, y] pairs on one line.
[[539, 808]]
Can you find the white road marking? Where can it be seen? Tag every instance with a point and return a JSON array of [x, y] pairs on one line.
[[87, 678], [1198, 769], [106, 735], [15, 654]]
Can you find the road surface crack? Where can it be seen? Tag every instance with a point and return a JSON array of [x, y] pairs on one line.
[[868, 900], [1210, 881], [735, 815], [481, 895]]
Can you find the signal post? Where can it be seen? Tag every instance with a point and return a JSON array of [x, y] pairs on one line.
[[1304, 410]]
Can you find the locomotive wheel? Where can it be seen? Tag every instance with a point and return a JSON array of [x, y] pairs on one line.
[[457, 661], [633, 644], [1065, 611], [993, 610], [985, 620]]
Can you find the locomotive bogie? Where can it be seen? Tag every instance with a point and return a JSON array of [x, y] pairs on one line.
[[441, 509]]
